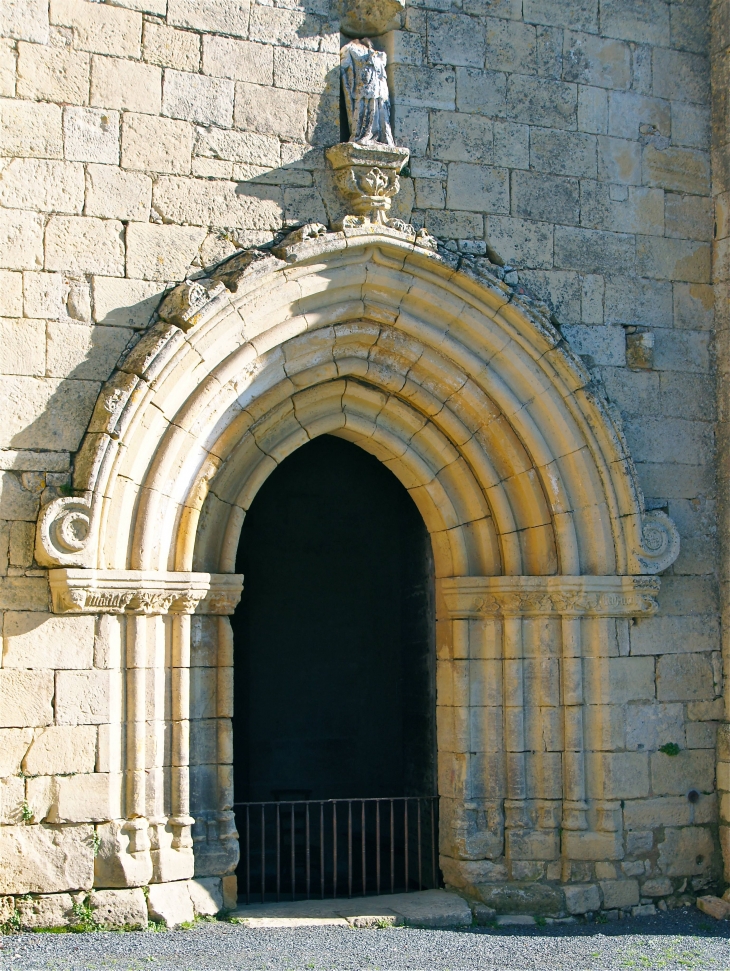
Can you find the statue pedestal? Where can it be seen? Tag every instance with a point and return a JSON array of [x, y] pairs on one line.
[[367, 176]]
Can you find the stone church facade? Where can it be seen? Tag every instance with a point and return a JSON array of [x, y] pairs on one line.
[[520, 309]]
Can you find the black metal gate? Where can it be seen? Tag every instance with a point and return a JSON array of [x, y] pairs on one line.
[[337, 847]]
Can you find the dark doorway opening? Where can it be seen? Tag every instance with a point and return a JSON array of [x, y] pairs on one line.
[[334, 677]]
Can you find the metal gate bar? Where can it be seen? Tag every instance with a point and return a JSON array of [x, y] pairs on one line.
[[286, 855]]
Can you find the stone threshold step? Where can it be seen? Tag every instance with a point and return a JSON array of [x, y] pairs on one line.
[[425, 908]]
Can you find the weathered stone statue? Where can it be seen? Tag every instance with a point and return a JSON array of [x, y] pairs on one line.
[[365, 85]]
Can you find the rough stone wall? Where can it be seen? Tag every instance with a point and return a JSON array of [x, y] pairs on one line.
[[143, 139]]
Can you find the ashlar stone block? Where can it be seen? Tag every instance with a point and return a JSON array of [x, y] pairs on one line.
[[115, 194], [14, 744], [126, 85], [36, 640], [161, 252], [91, 135], [582, 899], [596, 60], [120, 909], [25, 20], [563, 153], [169, 47], [21, 240], [686, 852], [83, 351], [30, 129], [685, 677], [306, 71], [203, 203], [640, 21], [53, 74], [41, 184], [47, 910], [83, 244], [100, 28], [83, 697], [8, 59], [46, 859], [25, 699], [456, 39], [241, 60], [21, 347], [619, 893], [456, 137], [171, 903], [675, 775], [156, 144], [215, 16], [542, 101], [545, 197], [680, 169], [477, 188], [195, 97], [271, 111], [61, 749], [124, 303], [673, 259]]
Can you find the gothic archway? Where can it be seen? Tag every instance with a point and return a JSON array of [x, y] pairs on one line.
[[472, 398]]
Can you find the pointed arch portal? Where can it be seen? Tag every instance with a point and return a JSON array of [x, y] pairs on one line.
[[467, 393]]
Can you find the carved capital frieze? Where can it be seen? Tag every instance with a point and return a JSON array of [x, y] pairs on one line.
[[143, 592], [590, 596]]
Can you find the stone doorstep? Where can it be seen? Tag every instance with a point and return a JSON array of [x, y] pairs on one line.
[[425, 908]]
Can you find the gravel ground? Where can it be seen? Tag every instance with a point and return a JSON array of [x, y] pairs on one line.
[[671, 942]]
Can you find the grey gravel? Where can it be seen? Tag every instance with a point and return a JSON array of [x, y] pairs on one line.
[[671, 942]]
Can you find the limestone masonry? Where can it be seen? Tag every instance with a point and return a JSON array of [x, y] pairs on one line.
[[520, 307]]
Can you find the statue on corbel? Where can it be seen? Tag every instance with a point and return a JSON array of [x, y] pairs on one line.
[[368, 166]]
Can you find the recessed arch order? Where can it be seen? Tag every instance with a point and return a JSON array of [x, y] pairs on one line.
[[468, 394]]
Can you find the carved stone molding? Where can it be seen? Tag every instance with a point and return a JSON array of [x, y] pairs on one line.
[[592, 596], [191, 302], [143, 591], [63, 531]]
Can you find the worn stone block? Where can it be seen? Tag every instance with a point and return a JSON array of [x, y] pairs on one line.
[[619, 893], [691, 125], [35, 640], [684, 677], [681, 169], [45, 911], [206, 895], [574, 14], [642, 211], [688, 217], [581, 899], [52, 74], [619, 160], [618, 775], [100, 28], [630, 112], [25, 698], [21, 349], [168, 47], [597, 61], [14, 744], [456, 39], [171, 903], [510, 46], [83, 351], [477, 187], [680, 76], [82, 244], [236, 146], [30, 129], [634, 301], [21, 240], [114, 194], [59, 750], [643, 21], [8, 59], [306, 70], [202, 203], [50, 859], [686, 852], [562, 152], [120, 909], [48, 186], [648, 727], [240, 60], [457, 137], [521, 242], [511, 145], [124, 303], [559, 289], [677, 774], [126, 85], [161, 252], [82, 697], [422, 87], [542, 101], [545, 197], [483, 92], [218, 16], [156, 144], [194, 97], [91, 135], [592, 110], [271, 111], [594, 251], [25, 20], [673, 259]]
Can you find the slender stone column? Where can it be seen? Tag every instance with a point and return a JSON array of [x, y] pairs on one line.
[[136, 794], [574, 774]]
